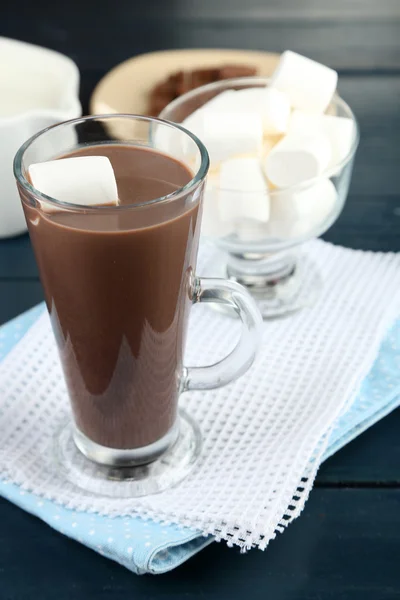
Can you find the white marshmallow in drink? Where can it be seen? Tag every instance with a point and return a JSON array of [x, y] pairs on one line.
[[243, 191], [81, 180], [339, 130], [309, 84], [302, 212], [297, 158]]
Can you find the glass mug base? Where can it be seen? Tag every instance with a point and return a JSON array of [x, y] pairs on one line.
[[171, 459], [135, 457]]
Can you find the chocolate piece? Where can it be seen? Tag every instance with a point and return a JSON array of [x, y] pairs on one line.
[[232, 71], [165, 88], [157, 104], [182, 82]]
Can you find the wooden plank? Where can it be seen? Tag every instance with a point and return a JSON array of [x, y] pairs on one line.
[[17, 260], [372, 459], [251, 10], [17, 296], [121, 34], [279, 10], [344, 545], [375, 103], [368, 223]]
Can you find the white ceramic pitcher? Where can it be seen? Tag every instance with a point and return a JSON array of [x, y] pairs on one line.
[[38, 88]]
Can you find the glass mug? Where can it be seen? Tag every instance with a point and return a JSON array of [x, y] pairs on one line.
[[119, 282]]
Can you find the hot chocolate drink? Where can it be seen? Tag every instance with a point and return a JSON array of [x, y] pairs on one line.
[[116, 283]]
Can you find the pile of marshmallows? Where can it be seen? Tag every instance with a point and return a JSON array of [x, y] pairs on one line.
[[262, 141], [265, 144]]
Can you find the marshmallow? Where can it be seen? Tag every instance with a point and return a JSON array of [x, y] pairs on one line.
[[304, 123], [220, 102], [82, 180], [268, 144], [296, 214], [297, 158], [272, 105], [339, 130], [243, 191], [211, 224], [276, 112], [194, 122], [170, 140], [309, 84], [226, 134]]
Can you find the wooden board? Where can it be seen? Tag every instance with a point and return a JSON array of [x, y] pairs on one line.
[[344, 546], [16, 297], [126, 88]]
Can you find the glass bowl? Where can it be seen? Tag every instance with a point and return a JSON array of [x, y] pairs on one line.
[[267, 257]]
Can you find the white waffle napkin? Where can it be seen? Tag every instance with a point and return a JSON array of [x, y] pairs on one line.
[[264, 435]]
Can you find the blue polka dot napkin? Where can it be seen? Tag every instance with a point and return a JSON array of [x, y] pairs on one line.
[[148, 547]]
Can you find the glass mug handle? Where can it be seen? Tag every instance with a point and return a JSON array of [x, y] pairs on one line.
[[234, 296]]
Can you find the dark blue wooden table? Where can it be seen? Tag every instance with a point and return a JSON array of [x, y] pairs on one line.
[[346, 544]]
